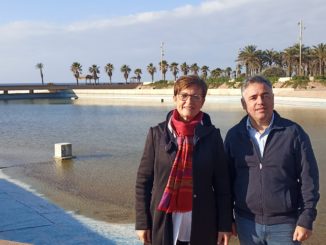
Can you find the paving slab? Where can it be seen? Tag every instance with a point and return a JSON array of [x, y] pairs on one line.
[[28, 218]]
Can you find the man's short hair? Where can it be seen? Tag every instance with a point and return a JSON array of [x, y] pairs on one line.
[[255, 79]]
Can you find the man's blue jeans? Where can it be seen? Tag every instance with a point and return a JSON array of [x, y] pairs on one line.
[[251, 233]]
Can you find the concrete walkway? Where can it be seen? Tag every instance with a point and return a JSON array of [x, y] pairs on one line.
[[28, 218]]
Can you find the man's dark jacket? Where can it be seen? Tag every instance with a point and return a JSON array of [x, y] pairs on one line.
[[212, 208], [280, 187]]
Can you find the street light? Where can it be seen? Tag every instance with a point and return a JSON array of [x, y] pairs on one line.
[[300, 44], [162, 55]]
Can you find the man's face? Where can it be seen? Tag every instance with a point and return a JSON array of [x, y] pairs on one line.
[[189, 102], [258, 102]]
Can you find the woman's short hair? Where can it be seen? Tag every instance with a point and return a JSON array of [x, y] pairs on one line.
[[184, 82]]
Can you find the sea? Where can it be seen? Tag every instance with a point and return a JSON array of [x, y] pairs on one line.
[[107, 138]]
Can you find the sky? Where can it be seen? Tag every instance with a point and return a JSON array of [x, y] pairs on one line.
[[209, 32]]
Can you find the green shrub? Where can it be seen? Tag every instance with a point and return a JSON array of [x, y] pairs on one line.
[[300, 78], [161, 84], [288, 84], [274, 72], [239, 79], [300, 81], [235, 84], [320, 78], [216, 82], [273, 79]]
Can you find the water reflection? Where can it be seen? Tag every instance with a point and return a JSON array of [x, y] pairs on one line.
[[63, 166]]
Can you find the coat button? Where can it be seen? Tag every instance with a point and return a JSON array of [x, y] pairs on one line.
[[195, 195]]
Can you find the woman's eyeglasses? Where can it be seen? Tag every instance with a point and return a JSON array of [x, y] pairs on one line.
[[185, 96]]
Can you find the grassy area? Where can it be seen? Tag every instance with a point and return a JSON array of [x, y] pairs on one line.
[[161, 84], [297, 82], [218, 82], [321, 79]]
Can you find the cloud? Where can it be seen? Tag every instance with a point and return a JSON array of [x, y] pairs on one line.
[[23, 29], [210, 33], [186, 11]]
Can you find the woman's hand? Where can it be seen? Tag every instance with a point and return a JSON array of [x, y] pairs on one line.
[[144, 236], [223, 238]]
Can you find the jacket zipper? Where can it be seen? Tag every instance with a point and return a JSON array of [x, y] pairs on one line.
[[260, 175]]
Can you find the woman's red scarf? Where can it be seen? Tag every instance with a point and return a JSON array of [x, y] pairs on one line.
[[177, 196]]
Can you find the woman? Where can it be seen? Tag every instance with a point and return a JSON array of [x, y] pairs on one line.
[[182, 188]]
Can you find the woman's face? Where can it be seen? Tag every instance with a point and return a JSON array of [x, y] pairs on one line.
[[189, 101]]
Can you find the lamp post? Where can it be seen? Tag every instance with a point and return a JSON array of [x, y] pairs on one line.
[[162, 55], [300, 49]]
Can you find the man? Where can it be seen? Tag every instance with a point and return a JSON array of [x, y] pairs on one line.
[[274, 172]]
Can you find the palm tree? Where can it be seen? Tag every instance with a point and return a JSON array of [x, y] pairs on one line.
[[204, 71], [164, 66], [125, 70], [151, 69], [194, 68], [216, 73], [296, 58], [269, 57], [261, 61], [94, 69], [289, 56], [109, 70], [249, 57], [174, 69], [319, 52], [76, 68], [184, 68], [309, 62], [238, 70], [138, 73], [277, 59], [228, 71], [40, 66]]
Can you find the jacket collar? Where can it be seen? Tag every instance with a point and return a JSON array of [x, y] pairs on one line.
[[278, 123]]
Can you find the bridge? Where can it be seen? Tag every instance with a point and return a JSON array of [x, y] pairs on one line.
[[53, 88], [56, 91]]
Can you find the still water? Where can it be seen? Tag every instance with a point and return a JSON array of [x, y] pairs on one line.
[[107, 139]]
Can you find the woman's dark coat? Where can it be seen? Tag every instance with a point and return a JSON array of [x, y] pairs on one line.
[[212, 209]]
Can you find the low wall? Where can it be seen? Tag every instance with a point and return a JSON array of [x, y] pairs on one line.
[[283, 96], [90, 93]]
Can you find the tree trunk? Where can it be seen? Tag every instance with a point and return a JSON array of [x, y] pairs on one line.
[[42, 77]]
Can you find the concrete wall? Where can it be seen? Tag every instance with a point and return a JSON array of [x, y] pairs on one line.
[[100, 93]]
